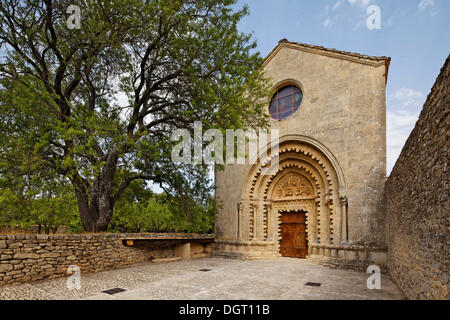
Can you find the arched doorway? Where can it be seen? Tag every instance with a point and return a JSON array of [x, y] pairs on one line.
[[305, 190], [293, 241], [293, 196]]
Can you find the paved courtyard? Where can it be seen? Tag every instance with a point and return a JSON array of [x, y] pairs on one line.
[[282, 278]]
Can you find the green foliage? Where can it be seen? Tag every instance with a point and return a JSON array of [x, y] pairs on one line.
[[157, 216], [139, 210], [176, 62], [149, 216], [48, 211]]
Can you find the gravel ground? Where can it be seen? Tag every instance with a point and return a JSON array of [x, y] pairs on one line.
[[282, 278]]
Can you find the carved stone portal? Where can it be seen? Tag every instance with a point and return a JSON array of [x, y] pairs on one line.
[[305, 181], [293, 186]]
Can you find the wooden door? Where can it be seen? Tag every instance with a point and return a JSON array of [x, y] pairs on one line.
[[293, 235]]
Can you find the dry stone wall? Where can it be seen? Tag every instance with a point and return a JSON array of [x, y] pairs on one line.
[[25, 258], [417, 199]]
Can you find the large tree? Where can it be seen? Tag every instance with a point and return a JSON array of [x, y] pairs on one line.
[[97, 105]]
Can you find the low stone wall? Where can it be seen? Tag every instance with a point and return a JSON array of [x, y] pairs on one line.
[[25, 258], [351, 257], [246, 250], [417, 200]]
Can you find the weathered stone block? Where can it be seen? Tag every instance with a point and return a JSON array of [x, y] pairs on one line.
[[49, 255], [26, 255], [6, 267]]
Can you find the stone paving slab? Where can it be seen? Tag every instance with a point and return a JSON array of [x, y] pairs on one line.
[[282, 278]]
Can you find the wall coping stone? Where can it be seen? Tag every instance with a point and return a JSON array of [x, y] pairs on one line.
[[122, 236]]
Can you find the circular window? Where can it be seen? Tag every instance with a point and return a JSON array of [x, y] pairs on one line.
[[285, 102]]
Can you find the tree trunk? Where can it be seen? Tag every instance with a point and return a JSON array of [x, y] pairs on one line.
[[95, 202], [95, 214]]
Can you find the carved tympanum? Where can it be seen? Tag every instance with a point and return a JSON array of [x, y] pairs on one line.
[[293, 186]]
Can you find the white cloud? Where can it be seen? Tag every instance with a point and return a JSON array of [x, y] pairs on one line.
[[361, 3], [423, 4], [398, 126], [333, 16], [326, 23], [407, 97], [428, 5], [404, 107], [337, 5], [358, 25]]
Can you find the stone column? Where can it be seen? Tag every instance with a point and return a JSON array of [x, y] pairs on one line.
[[324, 219], [337, 219], [253, 220], [259, 227], [268, 220], [315, 218], [276, 229], [344, 223], [240, 212]]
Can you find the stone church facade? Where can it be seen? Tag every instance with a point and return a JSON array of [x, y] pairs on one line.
[[325, 200]]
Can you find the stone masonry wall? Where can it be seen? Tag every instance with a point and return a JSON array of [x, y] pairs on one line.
[[344, 109], [417, 199], [25, 258]]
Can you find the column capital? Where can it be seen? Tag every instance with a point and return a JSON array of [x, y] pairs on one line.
[[343, 200]]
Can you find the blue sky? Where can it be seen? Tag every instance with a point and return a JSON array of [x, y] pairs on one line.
[[414, 33]]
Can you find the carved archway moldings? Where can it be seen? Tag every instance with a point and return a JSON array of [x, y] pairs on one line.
[[307, 169], [299, 144], [311, 184], [298, 152]]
